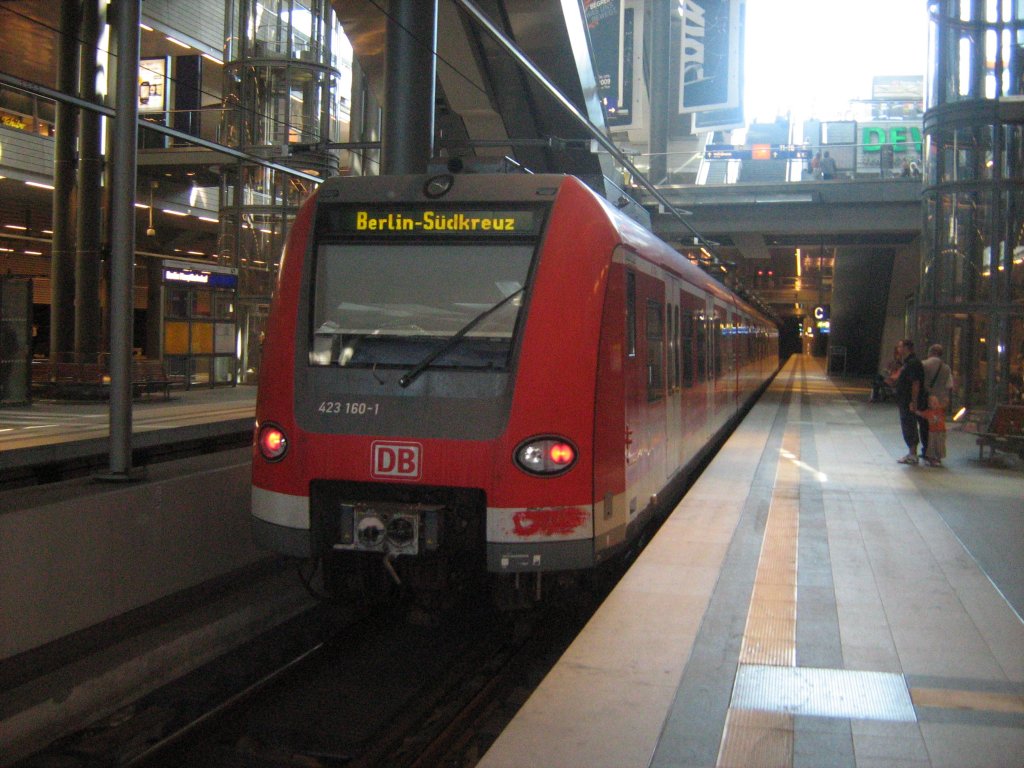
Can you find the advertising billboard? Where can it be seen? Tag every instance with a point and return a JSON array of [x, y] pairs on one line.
[[709, 55]]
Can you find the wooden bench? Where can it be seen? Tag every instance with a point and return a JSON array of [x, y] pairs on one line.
[[42, 375], [1005, 432], [92, 380], [150, 376]]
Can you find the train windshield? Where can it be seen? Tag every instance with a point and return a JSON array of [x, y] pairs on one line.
[[394, 304]]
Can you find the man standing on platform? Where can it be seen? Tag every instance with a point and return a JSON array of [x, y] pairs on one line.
[[910, 397]]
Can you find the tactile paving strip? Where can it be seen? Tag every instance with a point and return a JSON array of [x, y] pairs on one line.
[[823, 693]]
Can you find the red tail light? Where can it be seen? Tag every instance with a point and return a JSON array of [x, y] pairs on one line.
[[272, 442], [562, 454]]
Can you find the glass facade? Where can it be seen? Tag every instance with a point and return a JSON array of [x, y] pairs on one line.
[[971, 296], [284, 96]]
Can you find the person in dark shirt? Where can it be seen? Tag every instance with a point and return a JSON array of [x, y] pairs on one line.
[[828, 167], [911, 399]]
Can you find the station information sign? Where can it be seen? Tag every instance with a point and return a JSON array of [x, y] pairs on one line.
[[757, 152]]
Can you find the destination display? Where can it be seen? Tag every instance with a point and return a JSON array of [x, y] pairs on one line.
[[430, 222]]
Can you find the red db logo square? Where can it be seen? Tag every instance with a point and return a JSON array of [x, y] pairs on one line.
[[397, 460]]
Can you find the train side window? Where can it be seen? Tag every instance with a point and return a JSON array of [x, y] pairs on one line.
[[655, 351], [630, 314], [687, 350]]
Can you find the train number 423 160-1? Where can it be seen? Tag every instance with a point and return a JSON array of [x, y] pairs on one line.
[[349, 409]]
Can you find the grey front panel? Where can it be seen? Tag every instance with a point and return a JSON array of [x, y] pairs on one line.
[[460, 405]]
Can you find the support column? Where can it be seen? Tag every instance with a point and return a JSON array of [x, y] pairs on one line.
[[407, 141], [90, 169], [661, 93], [62, 261], [122, 237]]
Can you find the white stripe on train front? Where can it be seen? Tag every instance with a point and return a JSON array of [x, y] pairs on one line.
[[512, 525], [280, 508], [518, 525]]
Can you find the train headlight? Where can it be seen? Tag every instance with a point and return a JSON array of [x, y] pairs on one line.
[[272, 442], [546, 456]]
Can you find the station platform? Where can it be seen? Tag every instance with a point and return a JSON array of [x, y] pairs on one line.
[[810, 602], [49, 431]]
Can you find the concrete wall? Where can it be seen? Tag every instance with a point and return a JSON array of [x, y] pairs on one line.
[[859, 298], [203, 20], [906, 276], [871, 291], [26, 151], [87, 551]]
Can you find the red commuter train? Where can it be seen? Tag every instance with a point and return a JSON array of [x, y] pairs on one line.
[[495, 372]]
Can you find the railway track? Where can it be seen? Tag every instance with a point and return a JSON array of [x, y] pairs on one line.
[[332, 691]]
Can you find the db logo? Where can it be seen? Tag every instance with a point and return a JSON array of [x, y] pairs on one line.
[[397, 460]]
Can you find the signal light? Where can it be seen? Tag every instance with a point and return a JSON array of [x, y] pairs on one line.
[[562, 454], [546, 456], [272, 442]]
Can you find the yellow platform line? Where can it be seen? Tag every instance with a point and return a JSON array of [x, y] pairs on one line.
[[762, 738], [978, 701]]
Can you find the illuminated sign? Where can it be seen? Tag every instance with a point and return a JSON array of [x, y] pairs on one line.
[[152, 84], [16, 122], [200, 277], [900, 136], [430, 222], [821, 312], [757, 152], [186, 276]]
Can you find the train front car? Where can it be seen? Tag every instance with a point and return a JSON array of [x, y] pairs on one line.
[[428, 384]]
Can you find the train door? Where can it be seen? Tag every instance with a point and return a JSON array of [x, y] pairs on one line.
[[710, 327], [674, 402], [693, 375], [644, 378], [722, 365]]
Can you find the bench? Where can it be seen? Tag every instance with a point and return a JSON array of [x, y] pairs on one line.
[[92, 380], [150, 376], [1005, 432]]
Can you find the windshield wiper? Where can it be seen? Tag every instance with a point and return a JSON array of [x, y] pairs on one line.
[[410, 376]]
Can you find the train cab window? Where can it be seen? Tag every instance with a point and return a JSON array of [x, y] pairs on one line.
[[630, 314], [393, 304], [655, 351]]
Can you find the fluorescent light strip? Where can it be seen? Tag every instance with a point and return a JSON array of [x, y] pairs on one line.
[[178, 42], [39, 184], [174, 213]]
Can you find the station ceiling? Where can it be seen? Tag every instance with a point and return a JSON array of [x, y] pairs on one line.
[[488, 108]]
